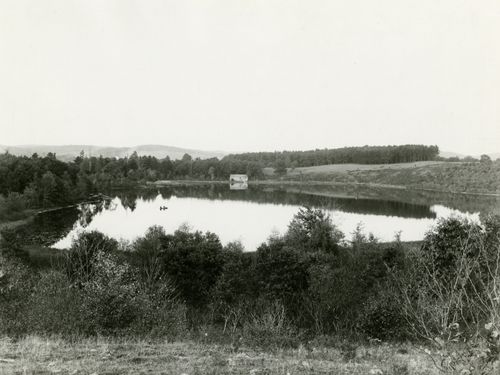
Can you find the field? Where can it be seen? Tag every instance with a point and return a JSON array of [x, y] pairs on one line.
[[334, 168], [35, 355], [456, 177]]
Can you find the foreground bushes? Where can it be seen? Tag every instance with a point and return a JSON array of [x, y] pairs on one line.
[[308, 283]]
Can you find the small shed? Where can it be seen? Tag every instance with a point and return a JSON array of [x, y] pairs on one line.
[[238, 178]]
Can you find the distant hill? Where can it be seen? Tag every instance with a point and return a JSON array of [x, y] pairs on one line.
[[69, 152], [450, 154]]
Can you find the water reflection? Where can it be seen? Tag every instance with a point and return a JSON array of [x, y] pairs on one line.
[[249, 216], [238, 186], [279, 196]]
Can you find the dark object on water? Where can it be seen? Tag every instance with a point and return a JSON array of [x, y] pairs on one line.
[[163, 208]]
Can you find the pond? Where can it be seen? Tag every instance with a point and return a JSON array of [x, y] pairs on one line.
[[252, 215]]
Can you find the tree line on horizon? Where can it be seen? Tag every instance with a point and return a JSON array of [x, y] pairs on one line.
[[344, 155]]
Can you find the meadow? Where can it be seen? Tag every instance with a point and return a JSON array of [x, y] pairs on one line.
[[452, 177], [53, 355]]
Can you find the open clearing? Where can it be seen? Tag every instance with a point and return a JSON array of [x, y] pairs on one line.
[[339, 168], [451, 177], [35, 355]]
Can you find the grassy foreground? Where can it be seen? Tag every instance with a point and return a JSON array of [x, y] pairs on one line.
[[36, 355]]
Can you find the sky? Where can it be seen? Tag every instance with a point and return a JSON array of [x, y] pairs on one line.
[[250, 75]]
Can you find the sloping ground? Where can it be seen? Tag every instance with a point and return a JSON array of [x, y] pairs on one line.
[[344, 168], [69, 152], [333, 168], [34, 355], [460, 177]]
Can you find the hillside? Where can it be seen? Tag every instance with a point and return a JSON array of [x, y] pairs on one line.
[[69, 152], [443, 176]]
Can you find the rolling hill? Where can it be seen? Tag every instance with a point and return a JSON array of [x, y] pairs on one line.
[[69, 152], [457, 177]]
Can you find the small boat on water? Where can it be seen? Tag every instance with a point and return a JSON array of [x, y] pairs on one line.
[[163, 208]]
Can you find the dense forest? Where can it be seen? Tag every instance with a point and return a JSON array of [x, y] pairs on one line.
[[357, 155], [47, 181]]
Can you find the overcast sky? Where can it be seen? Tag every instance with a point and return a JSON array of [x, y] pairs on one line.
[[251, 75]]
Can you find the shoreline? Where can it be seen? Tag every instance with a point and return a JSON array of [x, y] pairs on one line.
[[161, 183], [29, 214]]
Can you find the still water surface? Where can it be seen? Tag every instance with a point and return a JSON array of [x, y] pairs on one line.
[[248, 216]]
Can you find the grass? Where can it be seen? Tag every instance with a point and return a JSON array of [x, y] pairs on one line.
[[456, 177], [360, 167], [345, 168], [36, 355]]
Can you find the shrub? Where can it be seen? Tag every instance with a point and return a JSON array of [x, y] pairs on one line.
[[333, 299], [16, 285], [110, 295], [193, 261], [382, 317], [146, 255], [112, 302], [55, 307], [269, 328], [442, 307], [312, 230], [281, 270], [235, 288], [81, 257], [160, 314], [282, 273], [445, 244]]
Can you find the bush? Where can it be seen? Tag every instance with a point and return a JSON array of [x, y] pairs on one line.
[[160, 313], [16, 285], [110, 296], [445, 244], [193, 261], [146, 255], [448, 306], [111, 303], [334, 298], [312, 230], [55, 307], [235, 289], [269, 328], [382, 317], [81, 257], [281, 273]]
